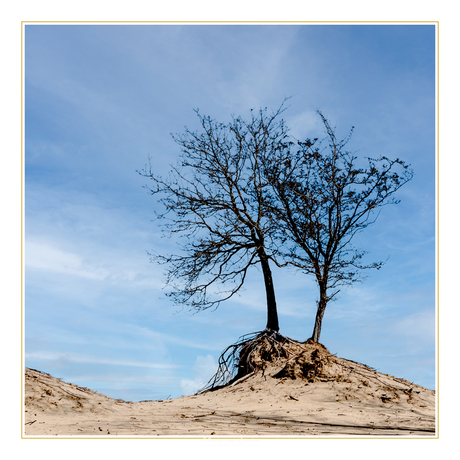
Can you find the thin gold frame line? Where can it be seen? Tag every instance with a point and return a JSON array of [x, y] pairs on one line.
[[435, 23], [232, 22], [437, 228], [22, 231], [279, 437]]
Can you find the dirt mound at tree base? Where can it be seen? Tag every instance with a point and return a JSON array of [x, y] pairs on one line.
[[264, 351], [295, 360], [311, 362], [308, 361]]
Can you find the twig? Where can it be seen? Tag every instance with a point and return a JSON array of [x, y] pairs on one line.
[[242, 379]]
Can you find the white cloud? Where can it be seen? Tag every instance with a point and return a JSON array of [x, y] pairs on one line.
[[167, 338], [95, 262], [44, 256], [418, 329], [306, 124], [63, 358], [203, 369], [72, 234]]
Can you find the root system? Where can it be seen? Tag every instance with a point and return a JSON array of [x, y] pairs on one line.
[[259, 351], [270, 354]]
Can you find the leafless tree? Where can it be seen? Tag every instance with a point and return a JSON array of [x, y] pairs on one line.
[[214, 200], [248, 194], [322, 198]]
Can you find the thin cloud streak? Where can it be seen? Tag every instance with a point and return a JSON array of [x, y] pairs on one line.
[[88, 360]]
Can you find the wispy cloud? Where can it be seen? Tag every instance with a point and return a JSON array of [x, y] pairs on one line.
[[203, 369], [72, 234], [47, 257], [66, 357], [168, 338], [417, 329], [306, 124], [101, 264]]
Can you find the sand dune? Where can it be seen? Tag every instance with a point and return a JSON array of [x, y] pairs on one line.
[[342, 399]]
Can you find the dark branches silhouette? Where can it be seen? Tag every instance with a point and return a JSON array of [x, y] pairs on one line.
[[215, 197], [323, 199], [246, 194]]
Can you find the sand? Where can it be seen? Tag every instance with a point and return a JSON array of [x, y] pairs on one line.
[[343, 399]]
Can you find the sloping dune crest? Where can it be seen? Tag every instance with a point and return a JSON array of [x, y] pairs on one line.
[[308, 393]]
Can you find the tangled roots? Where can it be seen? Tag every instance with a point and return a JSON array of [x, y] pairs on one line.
[[252, 352]]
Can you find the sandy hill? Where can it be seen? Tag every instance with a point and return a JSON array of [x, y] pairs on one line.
[[310, 392]]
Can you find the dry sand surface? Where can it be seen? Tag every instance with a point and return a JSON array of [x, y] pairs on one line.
[[313, 393]]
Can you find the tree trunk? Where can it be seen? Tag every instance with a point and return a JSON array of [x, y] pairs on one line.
[[272, 313], [320, 313]]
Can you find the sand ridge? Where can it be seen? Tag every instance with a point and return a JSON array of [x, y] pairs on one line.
[[314, 393]]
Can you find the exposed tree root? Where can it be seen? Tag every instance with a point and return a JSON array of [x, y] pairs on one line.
[[272, 355], [251, 353]]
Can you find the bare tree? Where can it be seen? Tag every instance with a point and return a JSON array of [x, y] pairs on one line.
[[323, 199], [214, 199]]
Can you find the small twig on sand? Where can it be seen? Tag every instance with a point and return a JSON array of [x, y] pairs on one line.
[[242, 379]]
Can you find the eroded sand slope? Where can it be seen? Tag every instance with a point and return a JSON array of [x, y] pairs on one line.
[[313, 394]]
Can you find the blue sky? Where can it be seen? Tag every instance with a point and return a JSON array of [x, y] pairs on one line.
[[101, 99]]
